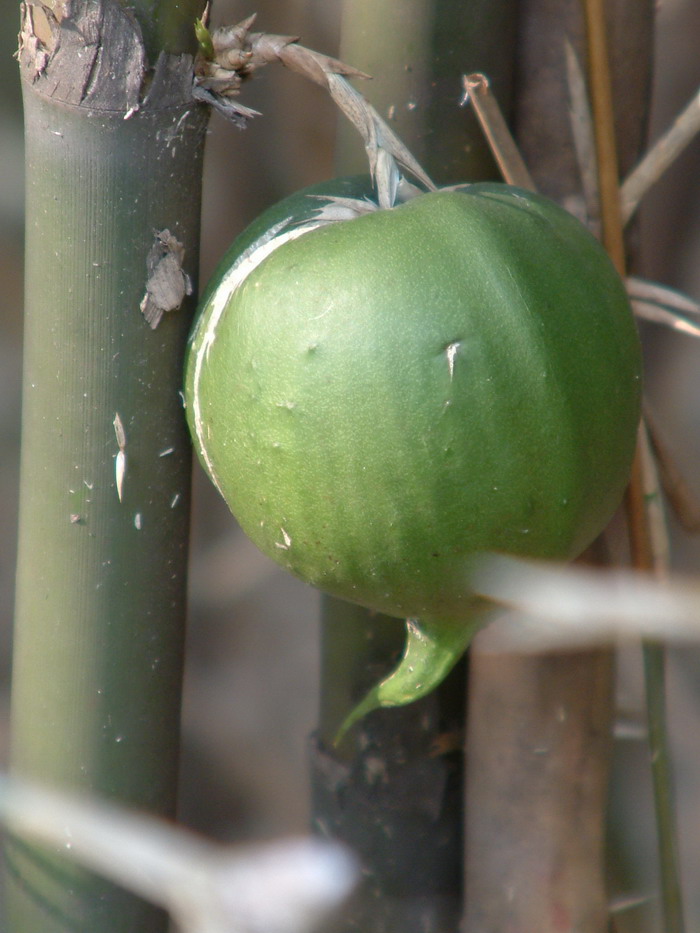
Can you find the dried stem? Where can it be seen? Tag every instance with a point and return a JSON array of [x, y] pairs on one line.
[[681, 498], [603, 117], [206, 887], [477, 91], [654, 654], [583, 137], [648, 540], [664, 305], [660, 157]]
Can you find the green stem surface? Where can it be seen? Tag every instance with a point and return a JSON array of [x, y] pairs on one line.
[[654, 655]]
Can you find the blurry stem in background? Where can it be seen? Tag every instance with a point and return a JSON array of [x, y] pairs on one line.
[[166, 26], [648, 543], [539, 735], [393, 789], [113, 187]]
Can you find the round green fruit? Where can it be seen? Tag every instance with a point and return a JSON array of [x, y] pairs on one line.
[[380, 398]]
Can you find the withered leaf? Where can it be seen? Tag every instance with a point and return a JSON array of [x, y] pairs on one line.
[[168, 283]]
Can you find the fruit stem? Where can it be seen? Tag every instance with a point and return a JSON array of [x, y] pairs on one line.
[[431, 650]]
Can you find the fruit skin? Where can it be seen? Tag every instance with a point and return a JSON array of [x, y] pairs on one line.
[[382, 398], [297, 208]]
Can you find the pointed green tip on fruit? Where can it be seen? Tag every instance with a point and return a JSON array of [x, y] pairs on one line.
[[432, 649], [206, 46]]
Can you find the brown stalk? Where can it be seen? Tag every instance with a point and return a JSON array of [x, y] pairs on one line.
[[647, 532], [539, 737]]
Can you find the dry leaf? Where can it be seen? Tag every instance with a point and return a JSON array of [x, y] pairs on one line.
[[167, 282]]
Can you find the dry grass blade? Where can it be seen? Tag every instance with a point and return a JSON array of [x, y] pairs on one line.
[[477, 91], [378, 138], [230, 54], [584, 137], [282, 887], [229, 109], [312, 65], [551, 607], [660, 157], [664, 305]]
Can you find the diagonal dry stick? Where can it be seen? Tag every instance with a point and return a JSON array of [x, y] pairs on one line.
[[477, 92], [660, 157]]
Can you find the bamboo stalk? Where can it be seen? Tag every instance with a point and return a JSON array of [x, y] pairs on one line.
[[417, 52], [104, 496]]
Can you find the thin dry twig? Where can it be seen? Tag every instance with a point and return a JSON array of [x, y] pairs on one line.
[[604, 133], [477, 92], [650, 301], [583, 136], [664, 305], [660, 157], [681, 498], [647, 532]]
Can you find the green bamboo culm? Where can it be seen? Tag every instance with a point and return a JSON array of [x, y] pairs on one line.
[[392, 789], [417, 51], [113, 169]]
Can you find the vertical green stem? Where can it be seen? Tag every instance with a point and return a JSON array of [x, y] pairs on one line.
[[662, 778], [417, 52], [101, 587]]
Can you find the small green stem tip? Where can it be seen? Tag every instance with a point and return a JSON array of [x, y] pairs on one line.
[[432, 649], [206, 46]]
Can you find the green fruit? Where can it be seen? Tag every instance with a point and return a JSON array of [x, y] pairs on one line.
[[381, 398]]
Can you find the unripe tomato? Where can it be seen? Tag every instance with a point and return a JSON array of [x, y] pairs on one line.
[[380, 398]]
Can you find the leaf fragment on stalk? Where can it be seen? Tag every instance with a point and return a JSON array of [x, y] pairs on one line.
[[168, 283], [120, 459]]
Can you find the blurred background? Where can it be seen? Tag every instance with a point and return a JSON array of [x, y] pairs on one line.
[[250, 697]]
